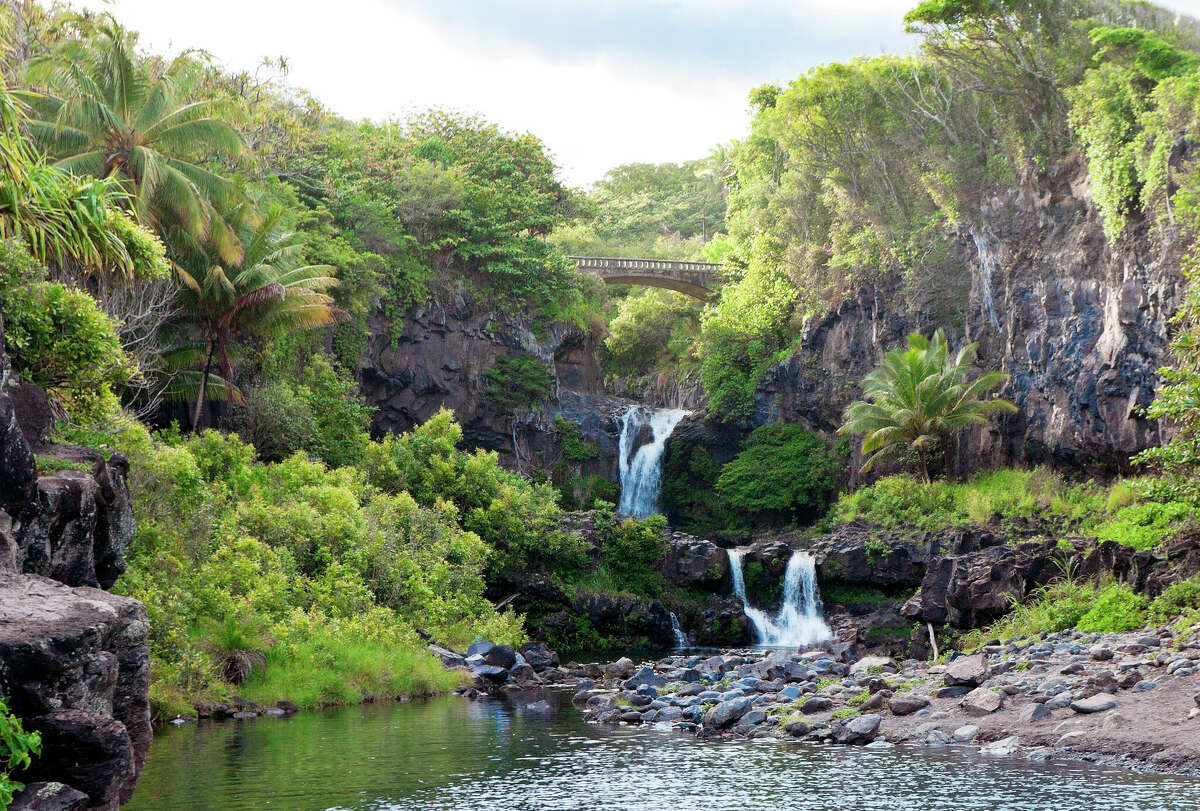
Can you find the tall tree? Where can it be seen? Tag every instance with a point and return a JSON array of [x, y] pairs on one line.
[[102, 111], [268, 291], [919, 396]]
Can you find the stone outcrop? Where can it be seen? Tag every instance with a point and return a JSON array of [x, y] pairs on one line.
[[1078, 322], [74, 663]]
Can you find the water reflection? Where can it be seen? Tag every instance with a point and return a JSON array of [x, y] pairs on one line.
[[453, 754]]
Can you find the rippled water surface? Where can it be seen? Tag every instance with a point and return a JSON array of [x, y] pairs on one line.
[[450, 753]]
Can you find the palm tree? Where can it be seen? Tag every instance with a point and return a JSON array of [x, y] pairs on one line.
[[266, 292], [104, 113], [919, 395]]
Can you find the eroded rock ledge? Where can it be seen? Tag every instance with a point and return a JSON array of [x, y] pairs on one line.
[[74, 663]]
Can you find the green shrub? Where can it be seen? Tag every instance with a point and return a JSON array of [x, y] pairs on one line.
[[1177, 598], [17, 748], [632, 553], [1056, 607], [574, 447], [1145, 525], [60, 339], [1116, 608], [784, 472], [517, 382]]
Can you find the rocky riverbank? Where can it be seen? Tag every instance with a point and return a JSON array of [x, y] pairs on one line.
[[1127, 699]]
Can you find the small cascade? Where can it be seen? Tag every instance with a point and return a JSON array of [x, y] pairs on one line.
[[681, 640], [641, 470], [799, 621]]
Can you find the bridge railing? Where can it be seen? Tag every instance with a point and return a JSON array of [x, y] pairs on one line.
[[621, 263]]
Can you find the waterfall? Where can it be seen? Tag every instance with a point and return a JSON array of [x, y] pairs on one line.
[[799, 621], [641, 470], [681, 640]]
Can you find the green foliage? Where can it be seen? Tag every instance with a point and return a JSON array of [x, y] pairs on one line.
[[1115, 608], [301, 578], [783, 472], [1178, 598], [320, 414], [517, 519], [17, 749], [519, 381], [574, 447], [1057, 607], [632, 553], [1000, 495], [918, 397], [653, 330], [60, 339], [1147, 524]]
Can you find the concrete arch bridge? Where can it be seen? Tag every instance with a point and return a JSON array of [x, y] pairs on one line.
[[696, 279]]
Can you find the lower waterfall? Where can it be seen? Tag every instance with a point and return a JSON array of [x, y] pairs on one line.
[[799, 621], [641, 470]]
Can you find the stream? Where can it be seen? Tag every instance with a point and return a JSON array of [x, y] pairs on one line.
[[451, 753]]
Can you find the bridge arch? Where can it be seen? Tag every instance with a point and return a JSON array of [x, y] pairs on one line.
[[696, 279]]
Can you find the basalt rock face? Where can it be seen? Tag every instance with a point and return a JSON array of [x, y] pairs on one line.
[[1078, 322], [436, 355], [74, 662]]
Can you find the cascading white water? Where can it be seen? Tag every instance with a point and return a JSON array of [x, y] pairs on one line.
[[799, 621], [681, 640], [641, 470]]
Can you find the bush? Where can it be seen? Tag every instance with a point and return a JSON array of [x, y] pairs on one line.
[[632, 553], [1178, 598], [784, 472], [1145, 525], [59, 338], [517, 382], [1116, 608]]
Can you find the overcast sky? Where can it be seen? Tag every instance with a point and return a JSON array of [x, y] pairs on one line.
[[602, 82]]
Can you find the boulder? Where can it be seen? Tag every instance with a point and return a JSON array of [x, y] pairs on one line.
[[502, 656], [480, 648], [873, 664], [539, 656], [982, 701], [727, 712], [49, 797], [1004, 747], [1032, 713], [967, 671], [1093, 704], [816, 704], [644, 677], [623, 668], [907, 704], [861, 729]]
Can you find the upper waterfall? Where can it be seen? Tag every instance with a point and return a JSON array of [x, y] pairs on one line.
[[799, 621], [641, 469]]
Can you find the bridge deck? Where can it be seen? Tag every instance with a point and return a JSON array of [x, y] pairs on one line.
[[693, 278]]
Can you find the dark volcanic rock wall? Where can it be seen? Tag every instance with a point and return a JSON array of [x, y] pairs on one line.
[[1080, 324], [74, 663]]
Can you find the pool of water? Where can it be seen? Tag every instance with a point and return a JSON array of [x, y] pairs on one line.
[[450, 753]]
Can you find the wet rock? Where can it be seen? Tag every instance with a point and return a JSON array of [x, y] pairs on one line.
[[644, 677], [859, 730], [727, 712], [539, 656], [797, 729], [966, 734], [1100, 653], [502, 656], [873, 664]]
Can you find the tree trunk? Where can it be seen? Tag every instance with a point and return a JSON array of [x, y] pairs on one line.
[[203, 389]]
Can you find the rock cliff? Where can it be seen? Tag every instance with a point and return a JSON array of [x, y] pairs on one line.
[[74, 664], [1080, 324]]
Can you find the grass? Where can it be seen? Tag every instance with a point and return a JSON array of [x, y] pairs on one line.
[[322, 672], [49, 465], [1040, 496]]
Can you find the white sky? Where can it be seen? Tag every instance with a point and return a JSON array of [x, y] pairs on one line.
[[602, 82]]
